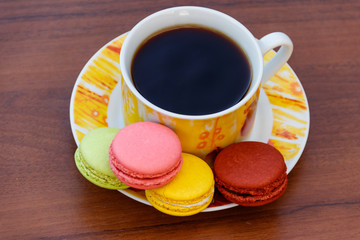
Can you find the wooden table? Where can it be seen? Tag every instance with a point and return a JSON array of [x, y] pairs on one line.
[[45, 44]]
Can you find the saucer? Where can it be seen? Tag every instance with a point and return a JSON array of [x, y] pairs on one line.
[[282, 117]]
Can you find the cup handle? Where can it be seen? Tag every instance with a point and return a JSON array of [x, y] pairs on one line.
[[269, 42]]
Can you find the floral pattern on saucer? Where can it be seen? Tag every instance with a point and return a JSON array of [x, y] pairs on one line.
[[96, 81]]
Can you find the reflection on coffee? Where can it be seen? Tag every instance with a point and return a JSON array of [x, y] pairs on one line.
[[191, 70]]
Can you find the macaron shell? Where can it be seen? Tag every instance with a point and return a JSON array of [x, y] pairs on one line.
[[249, 165], [253, 200], [250, 173], [146, 150], [97, 178], [95, 145], [193, 181], [141, 183], [268, 189], [189, 192], [186, 208], [92, 158]]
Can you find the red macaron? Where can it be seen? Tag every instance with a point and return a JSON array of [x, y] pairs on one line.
[[250, 173]]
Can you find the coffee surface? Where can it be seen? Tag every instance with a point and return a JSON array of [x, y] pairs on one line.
[[191, 71]]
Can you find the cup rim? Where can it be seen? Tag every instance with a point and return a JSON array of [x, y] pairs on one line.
[[139, 96]]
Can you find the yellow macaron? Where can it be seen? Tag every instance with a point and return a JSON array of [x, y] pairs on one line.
[[190, 192]]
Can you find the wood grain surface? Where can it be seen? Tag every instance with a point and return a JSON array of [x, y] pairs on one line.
[[45, 44]]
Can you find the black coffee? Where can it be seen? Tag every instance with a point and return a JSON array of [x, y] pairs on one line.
[[191, 70]]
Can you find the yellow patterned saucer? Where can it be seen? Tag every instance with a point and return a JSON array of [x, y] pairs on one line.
[[282, 117]]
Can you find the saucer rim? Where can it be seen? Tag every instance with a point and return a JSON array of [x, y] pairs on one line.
[[292, 162]]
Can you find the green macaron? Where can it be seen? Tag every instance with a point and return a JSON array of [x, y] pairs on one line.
[[92, 158]]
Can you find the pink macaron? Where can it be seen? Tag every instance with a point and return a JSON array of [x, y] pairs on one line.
[[145, 155]]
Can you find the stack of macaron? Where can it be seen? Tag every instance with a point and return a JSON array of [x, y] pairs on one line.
[[148, 156]]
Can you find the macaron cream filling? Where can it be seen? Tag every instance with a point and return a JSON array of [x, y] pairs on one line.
[[147, 182], [186, 207], [253, 195], [133, 174], [253, 191], [196, 204]]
